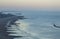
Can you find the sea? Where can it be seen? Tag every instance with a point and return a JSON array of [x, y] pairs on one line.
[[38, 25]]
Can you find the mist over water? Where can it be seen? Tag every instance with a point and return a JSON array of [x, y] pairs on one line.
[[39, 25]]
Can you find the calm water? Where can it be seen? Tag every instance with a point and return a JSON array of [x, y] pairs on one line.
[[39, 25]]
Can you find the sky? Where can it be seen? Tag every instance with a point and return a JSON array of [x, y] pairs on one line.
[[31, 4]]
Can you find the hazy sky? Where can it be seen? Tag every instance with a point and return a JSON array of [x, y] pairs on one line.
[[30, 3]]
